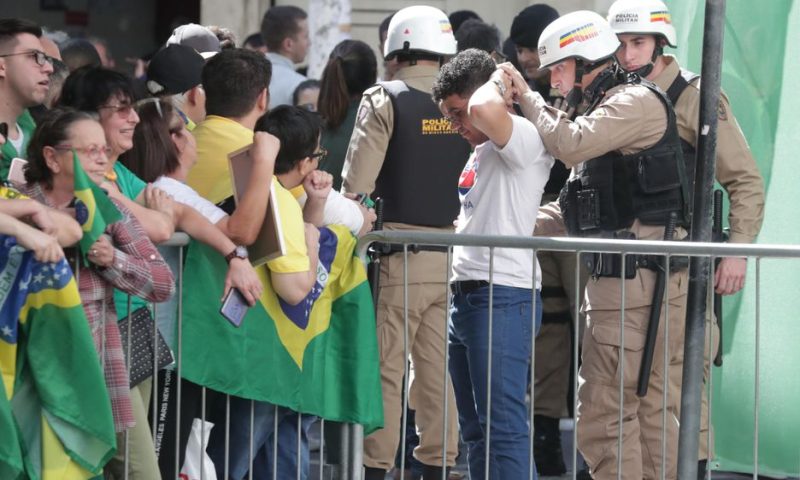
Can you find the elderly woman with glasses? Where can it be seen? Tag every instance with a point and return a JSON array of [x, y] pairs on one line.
[[122, 258]]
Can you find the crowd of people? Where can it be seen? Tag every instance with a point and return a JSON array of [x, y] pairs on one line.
[[576, 125]]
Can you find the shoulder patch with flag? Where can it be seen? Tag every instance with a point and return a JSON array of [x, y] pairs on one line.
[[318, 357]]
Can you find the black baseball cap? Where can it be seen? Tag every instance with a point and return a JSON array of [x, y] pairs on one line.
[[174, 69]]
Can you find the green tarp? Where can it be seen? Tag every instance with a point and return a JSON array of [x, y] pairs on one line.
[[760, 75]]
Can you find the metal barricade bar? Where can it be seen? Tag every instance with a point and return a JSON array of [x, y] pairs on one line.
[[352, 435], [578, 246]]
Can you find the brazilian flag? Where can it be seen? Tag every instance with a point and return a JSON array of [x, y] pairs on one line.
[[54, 393], [318, 357], [93, 210], [11, 460]]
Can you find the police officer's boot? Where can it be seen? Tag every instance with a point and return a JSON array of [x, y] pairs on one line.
[[702, 466], [430, 472], [547, 446], [374, 473]]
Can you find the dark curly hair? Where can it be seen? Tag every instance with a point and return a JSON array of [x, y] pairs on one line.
[[463, 74]]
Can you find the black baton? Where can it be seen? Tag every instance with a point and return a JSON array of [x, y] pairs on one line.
[[717, 235], [655, 313], [375, 252]]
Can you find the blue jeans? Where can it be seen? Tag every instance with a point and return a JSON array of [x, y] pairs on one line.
[[263, 438], [512, 333]]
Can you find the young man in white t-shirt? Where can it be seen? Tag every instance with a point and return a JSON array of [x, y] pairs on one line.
[[500, 190]]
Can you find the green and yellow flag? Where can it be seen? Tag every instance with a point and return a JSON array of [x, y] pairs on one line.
[[93, 210], [11, 459], [318, 357], [53, 386]]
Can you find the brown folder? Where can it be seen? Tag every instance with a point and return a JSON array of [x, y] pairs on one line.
[[270, 242]]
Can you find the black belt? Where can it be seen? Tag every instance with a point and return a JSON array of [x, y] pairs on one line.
[[392, 248], [464, 287]]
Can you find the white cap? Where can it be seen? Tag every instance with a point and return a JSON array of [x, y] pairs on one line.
[[196, 36]]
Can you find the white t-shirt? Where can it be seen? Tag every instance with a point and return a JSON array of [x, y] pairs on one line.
[[182, 193], [500, 192], [19, 143]]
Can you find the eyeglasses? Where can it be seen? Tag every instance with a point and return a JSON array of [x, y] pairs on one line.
[[4, 129], [123, 110], [455, 117], [40, 57], [93, 152], [308, 106], [319, 155], [498, 56]]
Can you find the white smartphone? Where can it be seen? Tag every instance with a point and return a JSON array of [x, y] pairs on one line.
[[16, 172]]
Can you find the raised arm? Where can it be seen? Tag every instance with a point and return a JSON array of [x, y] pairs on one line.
[[488, 108], [317, 186], [614, 125], [243, 226]]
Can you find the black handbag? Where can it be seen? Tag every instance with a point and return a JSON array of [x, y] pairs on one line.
[[140, 360]]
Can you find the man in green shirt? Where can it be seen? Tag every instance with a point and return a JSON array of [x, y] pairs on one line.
[[24, 82]]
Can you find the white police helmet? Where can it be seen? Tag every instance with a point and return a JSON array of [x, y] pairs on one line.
[[582, 35], [419, 29], [642, 16]]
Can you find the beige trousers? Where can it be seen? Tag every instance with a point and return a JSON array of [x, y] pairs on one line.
[[142, 461], [552, 355], [649, 426], [427, 334]]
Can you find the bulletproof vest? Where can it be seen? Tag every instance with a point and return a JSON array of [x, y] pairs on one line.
[[674, 93], [611, 191], [419, 178], [559, 174]]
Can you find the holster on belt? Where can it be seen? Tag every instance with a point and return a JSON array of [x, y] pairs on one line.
[[610, 264]]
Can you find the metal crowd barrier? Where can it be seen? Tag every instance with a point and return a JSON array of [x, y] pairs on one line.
[[348, 442], [411, 241], [351, 436]]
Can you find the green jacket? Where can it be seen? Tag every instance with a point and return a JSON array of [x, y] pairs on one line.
[[8, 152]]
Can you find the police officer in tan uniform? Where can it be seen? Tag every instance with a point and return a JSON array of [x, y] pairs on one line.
[[553, 355], [404, 151], [629, 126], [644, 27]]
